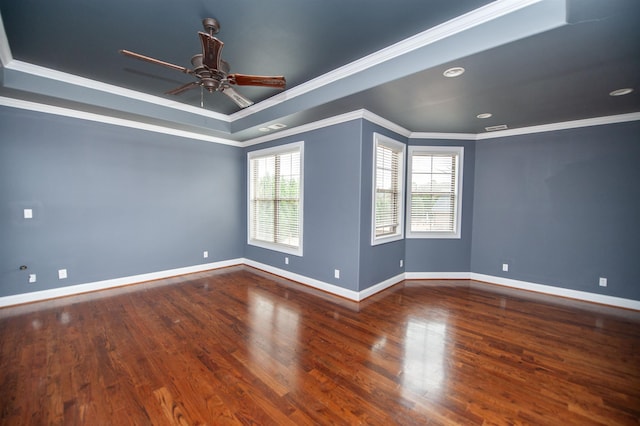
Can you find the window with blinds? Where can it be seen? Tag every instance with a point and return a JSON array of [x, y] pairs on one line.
[[435, 196], [275, 198], [388, 190]]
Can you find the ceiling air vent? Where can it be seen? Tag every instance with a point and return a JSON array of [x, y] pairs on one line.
[[495, 128]]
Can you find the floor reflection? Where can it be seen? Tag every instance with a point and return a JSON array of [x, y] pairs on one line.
[[424, 358], [274, 337]]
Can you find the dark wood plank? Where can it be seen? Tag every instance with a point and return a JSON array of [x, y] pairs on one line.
[[239, 346]]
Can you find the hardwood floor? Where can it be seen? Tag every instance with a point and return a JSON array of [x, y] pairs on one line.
[[238, 346]]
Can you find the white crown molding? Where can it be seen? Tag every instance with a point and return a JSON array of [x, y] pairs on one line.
[[64, 77], [564, 125], [454, 26], [331, 121], [447, 136], [82, 115], [383, 122], [342, 118], [5, 50], [551, 127]]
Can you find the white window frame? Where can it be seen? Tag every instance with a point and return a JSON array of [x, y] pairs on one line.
[[281, 149], [422, 150], [400, 147]]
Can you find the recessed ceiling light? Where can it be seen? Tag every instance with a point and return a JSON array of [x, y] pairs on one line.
[[484, 115], [264, 129], [621, 92], [453, 72]]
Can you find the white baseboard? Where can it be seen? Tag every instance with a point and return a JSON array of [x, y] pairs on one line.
[[437, 275], [357, 296], [377, 288], [559, 291], [311, 282], [71, 290]]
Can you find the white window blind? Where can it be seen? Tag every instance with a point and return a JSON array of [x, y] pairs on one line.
[[435, 195], [275, 198], [388, 196]]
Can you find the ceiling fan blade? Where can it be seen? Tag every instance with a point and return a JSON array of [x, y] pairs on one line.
[[156, 61], [183, 88], [236, 97], [211, 49], [258, 80]]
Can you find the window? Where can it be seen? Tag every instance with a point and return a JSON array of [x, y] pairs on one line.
[[388, 190], [275, 198], [435, 198]]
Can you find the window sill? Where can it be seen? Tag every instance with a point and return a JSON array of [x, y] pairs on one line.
[[295, 251], [387, 239]]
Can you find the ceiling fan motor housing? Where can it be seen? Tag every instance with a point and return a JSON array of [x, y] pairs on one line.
[[211, 84]]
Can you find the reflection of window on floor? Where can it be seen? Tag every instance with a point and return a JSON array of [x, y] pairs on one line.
[[424, 363]]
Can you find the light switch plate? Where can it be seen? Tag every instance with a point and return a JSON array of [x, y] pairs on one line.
[[28, 213], [62, 274]]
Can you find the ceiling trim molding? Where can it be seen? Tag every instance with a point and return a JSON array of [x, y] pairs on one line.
[[338, 119], [389, 125], [331, 121], [5, 50], [448, 136], [563, 125], [82, 115], [447, 29], [75, 80]]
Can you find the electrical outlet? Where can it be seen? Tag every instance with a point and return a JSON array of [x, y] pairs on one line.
[[62, 274], [602, 282], [505, 267], [401, 263], [205, 254], [28, 213], [32, 278], [286, 260], [336, 273]]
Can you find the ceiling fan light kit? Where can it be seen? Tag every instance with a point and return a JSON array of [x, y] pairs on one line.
[[211, 72]]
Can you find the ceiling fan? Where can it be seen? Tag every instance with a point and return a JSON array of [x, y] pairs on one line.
[[211, 72]]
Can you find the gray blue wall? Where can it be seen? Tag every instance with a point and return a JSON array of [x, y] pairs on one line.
[[380, 262], [447, 254], [110, 201], [332, 173], [562, 208]]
